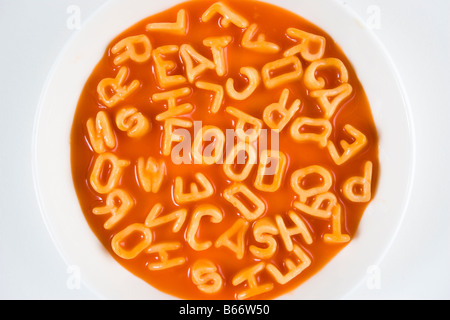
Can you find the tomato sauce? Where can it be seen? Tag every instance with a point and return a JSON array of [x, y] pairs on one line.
[[177, 281]]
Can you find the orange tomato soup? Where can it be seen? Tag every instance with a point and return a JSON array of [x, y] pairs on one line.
[[258, 81]]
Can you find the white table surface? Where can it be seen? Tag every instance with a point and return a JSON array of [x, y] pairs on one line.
[[416, 33]]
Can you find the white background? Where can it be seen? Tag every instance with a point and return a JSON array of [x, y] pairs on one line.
[[416, 34]]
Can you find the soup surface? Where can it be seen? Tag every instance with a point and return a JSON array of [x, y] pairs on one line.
[[224, 150]]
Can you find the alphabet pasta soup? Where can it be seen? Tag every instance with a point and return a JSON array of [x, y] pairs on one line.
[[224, 150]]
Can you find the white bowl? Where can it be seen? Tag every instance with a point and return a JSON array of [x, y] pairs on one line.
[[52, 167]]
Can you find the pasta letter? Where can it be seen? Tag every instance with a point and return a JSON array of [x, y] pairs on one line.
[[350, 149], [119, 241], [245, 120], [101, 134], [239, 228], [133, 122], [206, 277], [126, 49], [321, 135], [260, 45], [117, 209], [263, 231], [321, 207], [150, 174], [286, 233], [218, 94], [276, 172], [217, 45], [162, 67], [307, 40], [253, 288], [163, 257], [336, 227], [280, 108], [294, 269], [173, 109], [194, 62], [305, 193], [254, 80], [154, 219], [115, 173], [194, 194], [313, 83], [327, 105], [228, 15], [178, 28], [259, 207], [200, 212], [269, 69], [208, 156], [365, 182], [237, 153], [117, 86], [170, 136]]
